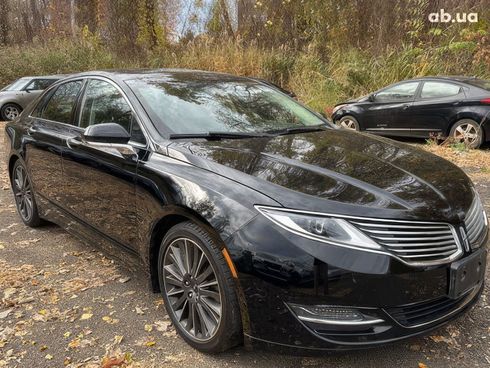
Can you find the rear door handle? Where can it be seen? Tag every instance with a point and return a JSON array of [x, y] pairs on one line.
[[456, 103], [32, 129], [406, 106]]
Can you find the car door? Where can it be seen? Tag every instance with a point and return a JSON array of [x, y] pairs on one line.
[[434, 107], [32, 90], [99, 180], [390, 109], [48, 124]]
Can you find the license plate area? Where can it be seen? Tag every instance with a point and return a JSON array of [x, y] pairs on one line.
[[467, 273]]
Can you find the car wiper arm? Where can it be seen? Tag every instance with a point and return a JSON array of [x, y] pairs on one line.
[[302, 129], [219, 135]]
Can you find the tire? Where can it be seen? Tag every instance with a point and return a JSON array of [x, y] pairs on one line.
[[24, 195], [467, 131], [348, 122], [10, 111], [188, 244]]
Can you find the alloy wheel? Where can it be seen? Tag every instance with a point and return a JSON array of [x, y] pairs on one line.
[[23, 193], [348, 123], [11, 112], [192, 289], [466, 133]]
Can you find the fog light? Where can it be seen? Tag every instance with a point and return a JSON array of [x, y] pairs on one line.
[[332, 315]]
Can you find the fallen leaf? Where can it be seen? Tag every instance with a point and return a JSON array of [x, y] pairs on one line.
[[73, 344], [150, 343], [113, 362], [148, 328], [162, 326], [67, 334], [86, 316], [5, 313], [139, 310], [49, 356], [123, 280], [118, 339], [422, 365], [110, 320]]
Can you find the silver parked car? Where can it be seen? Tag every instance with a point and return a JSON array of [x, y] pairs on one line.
[[15, 97]]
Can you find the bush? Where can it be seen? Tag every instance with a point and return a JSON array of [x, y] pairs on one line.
[[320, 80]]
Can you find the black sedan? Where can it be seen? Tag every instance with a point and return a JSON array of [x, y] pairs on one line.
[[256, 219], [457, 107]]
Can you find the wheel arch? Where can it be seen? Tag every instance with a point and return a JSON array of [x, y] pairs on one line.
[[12, 160], [462, 116], [163, 225], [160, 228], [8, 102]]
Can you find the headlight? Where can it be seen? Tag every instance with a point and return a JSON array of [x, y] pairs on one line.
[[324, 228], [337, 108]]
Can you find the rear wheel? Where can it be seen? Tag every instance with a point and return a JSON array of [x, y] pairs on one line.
[[348, 122], [468, 132], [198, 289], [24, 196], [10, 112]]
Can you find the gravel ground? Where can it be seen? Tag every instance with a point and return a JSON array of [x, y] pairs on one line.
[[64, 303]]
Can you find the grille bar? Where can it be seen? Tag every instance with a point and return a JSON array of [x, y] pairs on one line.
[[413, 242]]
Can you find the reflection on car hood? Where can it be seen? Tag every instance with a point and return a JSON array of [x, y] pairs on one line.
[[314, 171]]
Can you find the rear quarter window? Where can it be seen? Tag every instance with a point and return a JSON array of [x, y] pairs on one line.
[[439, 90]]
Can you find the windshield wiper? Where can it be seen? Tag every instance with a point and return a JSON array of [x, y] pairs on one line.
[[302, 129], [219, 135]]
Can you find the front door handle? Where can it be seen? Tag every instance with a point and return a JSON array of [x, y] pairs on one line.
[[73, 142], [32, 129], [406, 106], [456, 103]]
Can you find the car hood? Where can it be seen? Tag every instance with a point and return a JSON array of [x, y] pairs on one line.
[[338, 170], [354, 100]]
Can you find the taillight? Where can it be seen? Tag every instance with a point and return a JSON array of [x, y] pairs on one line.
[[486, 101]]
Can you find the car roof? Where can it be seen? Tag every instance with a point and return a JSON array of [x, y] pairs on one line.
[[59, 76], [190, 74], [455, 78]]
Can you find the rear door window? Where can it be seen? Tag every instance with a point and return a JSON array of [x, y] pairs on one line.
[[439, 90], [62, 103]]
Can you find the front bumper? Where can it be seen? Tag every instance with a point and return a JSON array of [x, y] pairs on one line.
[[278, 269]]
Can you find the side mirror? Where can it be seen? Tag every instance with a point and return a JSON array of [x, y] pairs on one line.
[[106, 133], [372, 98]]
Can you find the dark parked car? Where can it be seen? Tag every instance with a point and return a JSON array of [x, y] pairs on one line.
[[457, 107], [16, 96], [253, 216]]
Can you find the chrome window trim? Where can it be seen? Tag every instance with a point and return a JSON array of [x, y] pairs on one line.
[[440, 261], [86, 80]]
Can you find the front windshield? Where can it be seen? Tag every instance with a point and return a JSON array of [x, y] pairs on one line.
[[186, 105], [17, 85]]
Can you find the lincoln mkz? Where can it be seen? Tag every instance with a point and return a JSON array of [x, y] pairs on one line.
[[256, 219]]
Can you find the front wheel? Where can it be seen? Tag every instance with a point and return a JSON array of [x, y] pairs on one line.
[[24, 195], [468, 132], [198, 289], [10, 111], [348, 122]]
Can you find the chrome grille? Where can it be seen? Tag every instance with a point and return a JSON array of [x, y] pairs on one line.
[[476, 223], [412, 241]]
